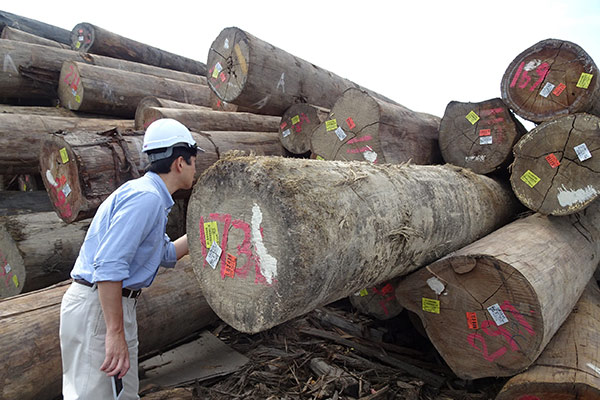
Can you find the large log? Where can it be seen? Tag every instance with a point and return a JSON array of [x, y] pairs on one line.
[[35, 27], [252, 73], [479, 136], [491, 307], [22, 36], [308, 232], [153, 101], [36, 251], [37, 110], [557, 164], [361, 127], [297, 125], [552, 78], [92, 165], [22, 135], [90, 38], [568, 368], [170, 310], [102, 90]]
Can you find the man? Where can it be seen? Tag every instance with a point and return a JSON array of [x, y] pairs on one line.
[[123, 248]]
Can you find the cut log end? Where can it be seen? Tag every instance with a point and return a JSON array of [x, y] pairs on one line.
[[12, 267], [297, 125], [70, 88], [82, 37], [228, 62]]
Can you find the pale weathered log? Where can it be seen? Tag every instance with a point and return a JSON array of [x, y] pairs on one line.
[[309, 232], [37, 110], [90, 38], [153, 101], [557, 165], [35, 27], [378, 301], [297, 125], [93, 165], [13, 202], [568, 368], [491, 307], [22, 36], [23, 134], [250, 72], [361, 127], [552, 78], [170, 310], [479, 136], [109, 91]]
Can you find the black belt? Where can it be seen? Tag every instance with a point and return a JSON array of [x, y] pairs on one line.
[[130, 294]]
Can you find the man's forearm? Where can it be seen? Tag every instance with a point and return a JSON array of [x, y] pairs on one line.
[[181, 246], [110, 294]]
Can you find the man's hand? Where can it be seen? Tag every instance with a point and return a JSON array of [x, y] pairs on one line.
[[116, 361]]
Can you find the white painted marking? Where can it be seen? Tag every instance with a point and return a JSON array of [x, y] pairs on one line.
[[281, 82], [50, 178], [567, 197], [531, 65], [268, 263], [436, 285], [8, 62], [480, 157], [594, 368], [260, 104]]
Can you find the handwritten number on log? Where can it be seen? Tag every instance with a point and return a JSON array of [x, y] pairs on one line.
[[541, 71]]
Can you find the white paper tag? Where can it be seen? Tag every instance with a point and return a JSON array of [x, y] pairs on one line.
[[286, 133], [226, 44], [214, 254], [485, 140], [582, 152], [80, 38], [436, 285], [497, 314], [547, 89], [340, 133], [7, 268], [370, 156], [218, 67], [66, 189]]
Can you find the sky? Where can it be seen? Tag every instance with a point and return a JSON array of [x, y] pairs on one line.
[[422, 54]]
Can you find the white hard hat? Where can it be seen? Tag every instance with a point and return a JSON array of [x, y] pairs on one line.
[[165, 134]]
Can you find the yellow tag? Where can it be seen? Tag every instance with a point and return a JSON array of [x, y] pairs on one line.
[[211, 233], [431, 305], [64, 156], [472, 117], [241, 58], [363, 293], [77, 45], [584, 80], [295, 120], [16, 281], [331, 125], [78, 98], [530, 178], [215, 73], [320, 158]]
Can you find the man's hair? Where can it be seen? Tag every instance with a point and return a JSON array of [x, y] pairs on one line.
[[163, 166]]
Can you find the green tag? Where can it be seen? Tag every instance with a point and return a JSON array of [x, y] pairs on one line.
[[431, 305]]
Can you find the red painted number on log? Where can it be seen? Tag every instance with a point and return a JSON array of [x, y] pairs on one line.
[[522, 77], [387, 292], [484, 351]]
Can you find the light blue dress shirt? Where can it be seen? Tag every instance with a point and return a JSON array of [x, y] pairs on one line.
[[126, 240]]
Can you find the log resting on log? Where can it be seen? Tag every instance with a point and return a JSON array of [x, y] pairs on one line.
[[309, 232], [378, 301], [568, 368], [552, 78], [171, 310], [35, 27], [92, 165], [36, 251], [23, 135], [250, 72], [479, 136], [557, 165], [90, 38], [22, 36], [153, 101], [491, 307], [102, 90], [297, 125], [361, 127]]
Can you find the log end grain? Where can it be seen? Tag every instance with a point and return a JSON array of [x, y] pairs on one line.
[[82, 37], [228, 62], [378, 301], [297, 125], [70, 87], [12, 266]]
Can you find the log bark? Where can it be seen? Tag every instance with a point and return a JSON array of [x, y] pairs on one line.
[[22, 36], [208, 119], [568, 368], [170, 310], [479, 136], [550, 79], [361, 127], [552, 173], [109, 91], [378, 301], [491, 307], [309, 232], [297, 125], [90, 38], [250, 72], [35, 27], [96, 164], [23, 135], [37, 250], [153, 101], [37, 110], [14, 202]]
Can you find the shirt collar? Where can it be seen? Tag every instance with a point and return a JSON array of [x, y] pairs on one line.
[[162, 189]]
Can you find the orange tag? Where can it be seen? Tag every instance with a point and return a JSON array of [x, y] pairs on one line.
[[552, 160], [485, 132], [559, 89], [230, 263], [472, 320], [350, 122]]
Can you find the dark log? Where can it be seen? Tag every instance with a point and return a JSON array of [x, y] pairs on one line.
[[297, 125], [361, 127], [35, 27], [109, 91], [479, 136], [550, 79], [13, 202], [22, 36], [170, 310], [557, 165], [378, 301], [309, 232], [90, 38], [491, 307], [252, 73]]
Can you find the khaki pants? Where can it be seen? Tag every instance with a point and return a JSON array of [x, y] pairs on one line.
[[82, 337]]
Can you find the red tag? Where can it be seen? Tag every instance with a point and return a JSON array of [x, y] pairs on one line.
[[472, 320], [350, 123], [485, 132], [552, 160], [559, 89], [283, 125], [230, 262], [223, 77]]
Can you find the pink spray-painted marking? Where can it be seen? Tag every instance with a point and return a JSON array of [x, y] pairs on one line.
[[485, 113], [361, 150], [484, 351], [387, 290], [360, 139]]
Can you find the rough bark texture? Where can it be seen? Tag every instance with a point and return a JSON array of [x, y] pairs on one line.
[[297, 125], [249, 72], [22, 36], [378, 301], [491, 307], [550, 79], [35, 27], [90, 38], [479, 136], [22, 136], [361, 127], [552, 173], [14, 202], [153, 101], [170, 310], [36, 251], [93, 165], [308, 232], [568, 368]]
